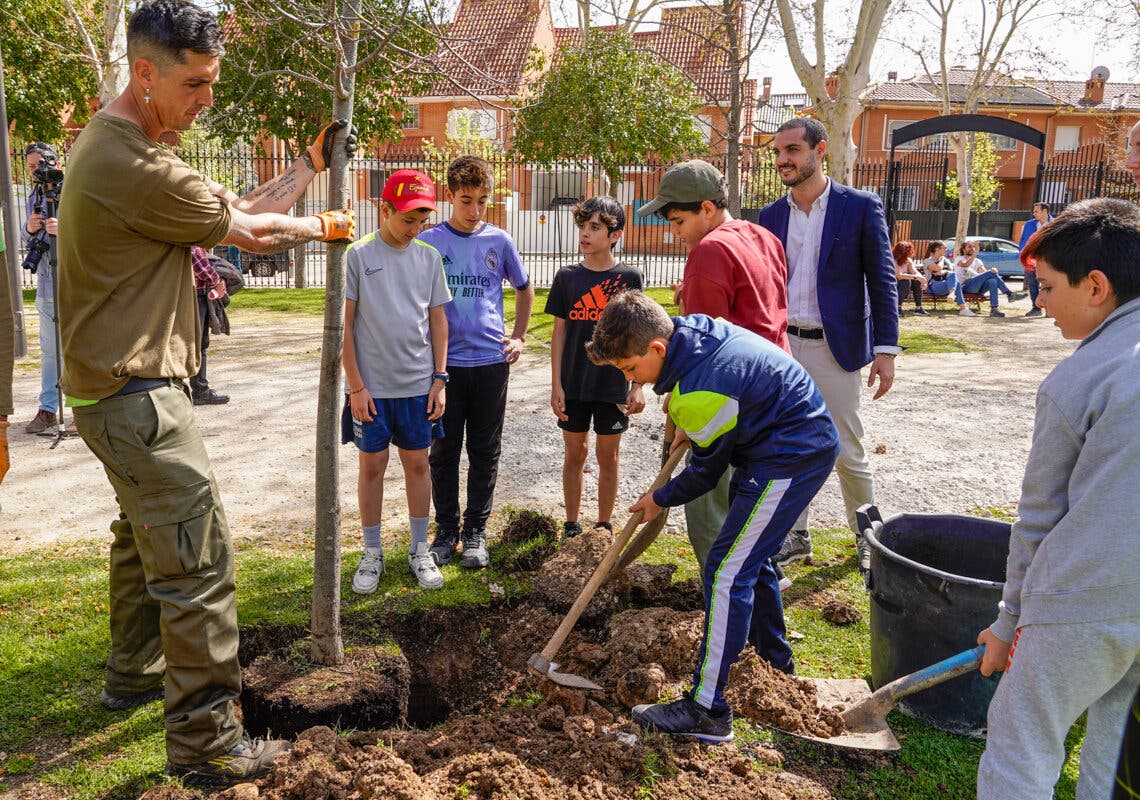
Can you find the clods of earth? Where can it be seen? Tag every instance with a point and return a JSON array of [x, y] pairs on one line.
[[439, 703]]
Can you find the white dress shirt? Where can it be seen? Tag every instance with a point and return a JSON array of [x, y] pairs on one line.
[[805, 234]]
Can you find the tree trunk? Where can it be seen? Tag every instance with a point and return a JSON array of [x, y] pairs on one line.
[[963, 152], [116, 71], [735, 85], [300, 279], [328, 648], [838, 116]]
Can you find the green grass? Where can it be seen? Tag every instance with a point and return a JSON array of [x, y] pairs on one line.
[[53, 643], [922, 342], [311, 302]]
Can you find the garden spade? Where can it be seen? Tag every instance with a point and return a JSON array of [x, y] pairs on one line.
[[540, 663], [866, 716]]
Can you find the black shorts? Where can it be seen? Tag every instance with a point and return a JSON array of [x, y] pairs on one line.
[[608, 418]]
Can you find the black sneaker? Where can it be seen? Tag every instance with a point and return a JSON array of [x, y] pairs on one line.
[[210, 398], [250, 759], [609, 526], [994, 312], [685, 718], [1034, 312], [901, 313], [570, 530], [443, 546], [796, 546], [1013, 297], [921, 312], [475, 548], [125, 702]]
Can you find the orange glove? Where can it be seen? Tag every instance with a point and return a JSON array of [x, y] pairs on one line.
[[3, 449], [338, 226], [321, 150]]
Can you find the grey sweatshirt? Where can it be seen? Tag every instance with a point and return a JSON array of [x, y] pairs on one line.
[[1074, 554]]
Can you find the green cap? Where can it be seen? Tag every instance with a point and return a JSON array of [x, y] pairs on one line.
[[688, 182]]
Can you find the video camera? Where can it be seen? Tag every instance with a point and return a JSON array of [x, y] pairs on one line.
[[48, 180]]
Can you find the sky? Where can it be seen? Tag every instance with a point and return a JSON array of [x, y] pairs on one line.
[[1039, 53]]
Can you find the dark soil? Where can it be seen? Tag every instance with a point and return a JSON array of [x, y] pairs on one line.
[[476, 724], [526, 524], [769, 697], [840, 612]]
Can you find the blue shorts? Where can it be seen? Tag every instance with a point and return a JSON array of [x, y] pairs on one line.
[[401, 421]]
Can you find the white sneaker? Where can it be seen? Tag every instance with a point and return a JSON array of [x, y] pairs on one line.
[[369, 570], [424, 567], [965, 311]]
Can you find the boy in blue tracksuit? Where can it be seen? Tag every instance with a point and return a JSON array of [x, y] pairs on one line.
[[743, 401]]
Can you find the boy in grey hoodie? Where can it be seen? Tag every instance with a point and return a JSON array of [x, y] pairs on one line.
[[1068, 627]]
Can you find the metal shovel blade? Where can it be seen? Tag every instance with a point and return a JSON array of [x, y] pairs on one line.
[[875, 734], [549, 670]]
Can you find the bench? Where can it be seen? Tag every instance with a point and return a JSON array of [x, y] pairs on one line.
[[972, 299]]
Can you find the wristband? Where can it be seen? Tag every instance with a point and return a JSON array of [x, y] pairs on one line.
[[441, 376], [357, 391]]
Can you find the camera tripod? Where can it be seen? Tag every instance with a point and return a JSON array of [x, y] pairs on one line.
[[51, 203]]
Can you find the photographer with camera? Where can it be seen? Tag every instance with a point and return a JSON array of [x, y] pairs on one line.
[[43, 163]]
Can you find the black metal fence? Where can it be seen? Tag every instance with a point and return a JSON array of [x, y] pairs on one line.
[[534, 203]]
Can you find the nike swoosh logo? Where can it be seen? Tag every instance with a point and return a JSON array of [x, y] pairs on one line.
[[373, 271]]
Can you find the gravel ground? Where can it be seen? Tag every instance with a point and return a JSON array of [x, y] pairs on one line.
[[951, 436]]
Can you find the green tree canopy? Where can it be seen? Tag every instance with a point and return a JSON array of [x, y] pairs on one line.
[[46, 72], [277, 73], [610, 101]]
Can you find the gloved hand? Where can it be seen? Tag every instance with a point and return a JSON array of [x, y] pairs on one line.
[[338, 226], [4, 463], [321, 150]]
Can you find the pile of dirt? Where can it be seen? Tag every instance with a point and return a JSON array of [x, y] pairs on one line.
[[840, 612], [769, 697], [562, 577], [526, 524], [662, 636]]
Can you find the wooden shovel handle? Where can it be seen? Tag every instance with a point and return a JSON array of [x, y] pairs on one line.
[[602, 571]]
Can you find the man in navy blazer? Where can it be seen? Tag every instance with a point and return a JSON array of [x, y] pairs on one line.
[[842, 302]]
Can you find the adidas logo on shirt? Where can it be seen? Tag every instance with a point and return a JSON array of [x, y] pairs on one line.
[[589, 307]]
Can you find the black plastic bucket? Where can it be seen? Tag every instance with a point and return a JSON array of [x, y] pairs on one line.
[[935, 582]]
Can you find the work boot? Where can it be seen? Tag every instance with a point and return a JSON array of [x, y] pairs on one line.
[[444, 544], [250, 759], [368, 571], [475, 548], [685, 718], [125, 702], [210, 398], [796, 546], [41, 422]]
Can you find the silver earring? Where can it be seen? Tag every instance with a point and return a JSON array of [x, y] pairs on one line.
[[146, 97]]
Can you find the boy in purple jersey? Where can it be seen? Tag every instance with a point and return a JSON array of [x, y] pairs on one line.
[[477, 258]]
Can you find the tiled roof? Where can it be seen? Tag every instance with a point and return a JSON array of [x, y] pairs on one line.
[[779, 108], [683, 40], [488, 46], [1005, 90]]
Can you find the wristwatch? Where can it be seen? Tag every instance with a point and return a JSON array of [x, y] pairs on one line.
[[441, 376]]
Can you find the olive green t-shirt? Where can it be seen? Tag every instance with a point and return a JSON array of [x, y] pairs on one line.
[[129, 212]]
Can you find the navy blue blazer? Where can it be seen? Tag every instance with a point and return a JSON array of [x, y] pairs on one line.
[[857, 288]]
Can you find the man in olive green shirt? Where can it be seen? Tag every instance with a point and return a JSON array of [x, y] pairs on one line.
[[129, 332]]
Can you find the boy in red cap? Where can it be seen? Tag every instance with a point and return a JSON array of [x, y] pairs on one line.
[[395, 361]]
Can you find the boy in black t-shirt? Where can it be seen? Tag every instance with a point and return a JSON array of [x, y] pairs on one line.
[[579, 390]]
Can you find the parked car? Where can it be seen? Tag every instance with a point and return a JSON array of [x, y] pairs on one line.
[[995, 252], [259, 265]]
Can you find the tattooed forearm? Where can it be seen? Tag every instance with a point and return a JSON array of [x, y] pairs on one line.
[[281, 193], [272, 233]]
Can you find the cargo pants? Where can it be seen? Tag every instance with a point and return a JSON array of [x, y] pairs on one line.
[[173, 608]]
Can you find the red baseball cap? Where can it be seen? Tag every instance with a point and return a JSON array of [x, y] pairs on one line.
[[409, 189]]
